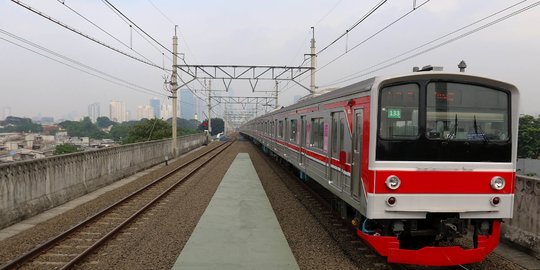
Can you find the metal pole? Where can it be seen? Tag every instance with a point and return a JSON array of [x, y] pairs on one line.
[[277, 93], [225, 121], [313, 62], [210, 107], [174, 89]]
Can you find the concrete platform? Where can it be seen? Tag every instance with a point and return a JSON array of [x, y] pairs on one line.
[[238, 229]]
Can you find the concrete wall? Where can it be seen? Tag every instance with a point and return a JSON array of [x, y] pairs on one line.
[[527, 166], [31, 187], [523, 229]]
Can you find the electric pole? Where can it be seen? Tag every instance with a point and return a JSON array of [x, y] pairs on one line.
[[174, 86], [313, 61], [277, 93], [210, 107]]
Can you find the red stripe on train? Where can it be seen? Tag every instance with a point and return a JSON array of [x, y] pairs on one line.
[[444, 182]]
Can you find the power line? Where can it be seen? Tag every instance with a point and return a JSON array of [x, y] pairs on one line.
[[123, 83], [306, 37], [134, 24], [369, 13], [373, 35], [134, 29], [440, 44], [83, 34], [365, 40], [328, 13], [71, 66], [100, 28], [161, 12]]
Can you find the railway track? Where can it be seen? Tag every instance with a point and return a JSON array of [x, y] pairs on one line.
[[321, 208], [74, 245]]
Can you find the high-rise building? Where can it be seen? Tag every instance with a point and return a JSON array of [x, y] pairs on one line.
[[145, 111], [117, 111], [94, 112], [166, 111], [154, 103], [187, 104]]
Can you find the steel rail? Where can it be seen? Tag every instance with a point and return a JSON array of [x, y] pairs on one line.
[[17, 262], [109, 235]]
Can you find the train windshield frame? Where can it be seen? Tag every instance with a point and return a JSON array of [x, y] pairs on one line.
[[441, 120]]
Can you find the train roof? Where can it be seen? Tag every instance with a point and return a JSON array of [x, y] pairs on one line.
[[366, 85]]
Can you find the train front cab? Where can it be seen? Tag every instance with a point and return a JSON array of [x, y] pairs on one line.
[[442, 154]]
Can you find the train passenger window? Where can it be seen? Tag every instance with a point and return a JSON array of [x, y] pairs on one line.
[[280, 129], [292, 133], [317, 133], [457, 111], [399, 112]]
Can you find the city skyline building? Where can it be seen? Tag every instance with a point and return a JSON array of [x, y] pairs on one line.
[[145, 111], [117, 111], [188, 106], [6, 111], [155, 105], [94, 111], [166, 111]]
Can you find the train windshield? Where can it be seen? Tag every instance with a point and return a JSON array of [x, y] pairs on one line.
[[466, 112], [444, 121]]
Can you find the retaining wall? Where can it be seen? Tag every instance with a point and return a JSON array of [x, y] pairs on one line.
[[31, 187], [523, 229]]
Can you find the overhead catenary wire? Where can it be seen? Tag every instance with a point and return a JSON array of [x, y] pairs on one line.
[[127, 21], [484, 26], [161, 12], [364, 41], [363, 18], [75, 62], [308, 35], [18, 2], [135, 25], [373, 35], [100, 28], [79, 69]]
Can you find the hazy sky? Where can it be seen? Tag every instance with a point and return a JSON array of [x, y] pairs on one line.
[[242, 32]]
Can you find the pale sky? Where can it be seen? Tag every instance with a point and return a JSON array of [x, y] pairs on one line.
[[242, 32]]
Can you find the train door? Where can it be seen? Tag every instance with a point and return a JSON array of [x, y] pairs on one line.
[[336, 150], [357, 189], [302, 132]]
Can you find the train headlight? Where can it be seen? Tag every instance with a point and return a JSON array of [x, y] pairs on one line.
[[497, 183], [392, 182]]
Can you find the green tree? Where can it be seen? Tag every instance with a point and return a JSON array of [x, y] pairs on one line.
[[120, 131], [185, 124], [83, 128], [529, 137], [65, 148], [103, 122], [217, 126], [148, 130], [18, 124]]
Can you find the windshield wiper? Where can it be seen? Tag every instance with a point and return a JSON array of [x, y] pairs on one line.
[[453, 133], [476, 127]]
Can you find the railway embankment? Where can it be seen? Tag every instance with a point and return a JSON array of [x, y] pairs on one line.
[[523, 229], [31, 187]]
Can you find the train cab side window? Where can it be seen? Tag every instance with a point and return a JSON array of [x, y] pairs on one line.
[[398, 113], [317, 133]]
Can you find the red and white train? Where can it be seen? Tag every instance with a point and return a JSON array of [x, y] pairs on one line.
[[418, 161]]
